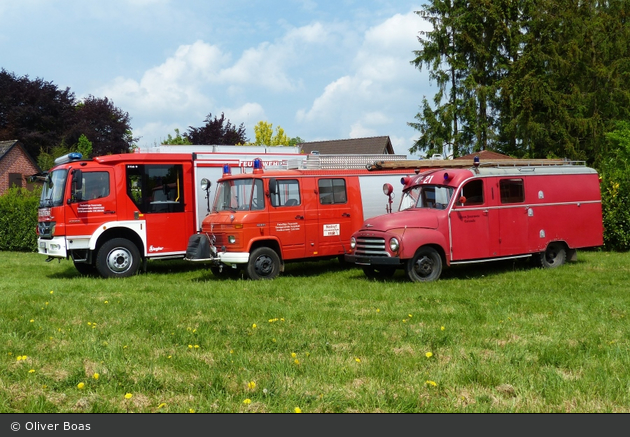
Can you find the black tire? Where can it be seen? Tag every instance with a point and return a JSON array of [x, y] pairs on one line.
[[383, 272], [425, 266], [554, 256], [118, 258], [85, 269], [264, 263]]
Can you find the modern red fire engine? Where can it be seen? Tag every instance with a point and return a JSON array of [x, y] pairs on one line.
[[490, 211], [112, 213], [262, 220]]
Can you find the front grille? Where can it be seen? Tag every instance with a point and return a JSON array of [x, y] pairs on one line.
[[45, 229], [370, 246]]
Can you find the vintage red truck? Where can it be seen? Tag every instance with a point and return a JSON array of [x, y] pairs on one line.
[[488, 212], [260, 221]]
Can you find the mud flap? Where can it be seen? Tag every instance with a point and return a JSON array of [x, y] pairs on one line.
[[198, 247]]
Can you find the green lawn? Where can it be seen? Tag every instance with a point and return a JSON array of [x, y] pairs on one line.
[[496, 337]]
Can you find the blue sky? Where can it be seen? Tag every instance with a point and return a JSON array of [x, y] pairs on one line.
[[322, 70]]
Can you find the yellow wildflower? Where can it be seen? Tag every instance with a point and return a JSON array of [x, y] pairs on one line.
[[96, 376], [431, 383], [128, 396], [251, 385], [247, 401], [297, 410], [429, 354], [81, 386]]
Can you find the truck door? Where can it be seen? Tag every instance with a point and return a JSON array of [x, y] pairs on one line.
[[93, 204], [157, 191], [513, 217], [470, 230], [286, 218], [335, 226]]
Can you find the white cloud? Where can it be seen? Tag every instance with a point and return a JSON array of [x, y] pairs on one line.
[[173, 86], [375, 98], [267, 64]]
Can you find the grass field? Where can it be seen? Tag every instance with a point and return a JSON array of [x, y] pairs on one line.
[[496, 337]]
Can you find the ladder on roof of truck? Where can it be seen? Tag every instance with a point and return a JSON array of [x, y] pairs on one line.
[[339, 162], [466, 163]]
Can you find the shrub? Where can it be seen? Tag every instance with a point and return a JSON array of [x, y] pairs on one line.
[[18, 219], [615, 174]]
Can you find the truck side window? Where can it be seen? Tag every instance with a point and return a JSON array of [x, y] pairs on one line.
[[473, 192], [512, 190], [288, 193], [95, 185], [156, 188], [332, 191]]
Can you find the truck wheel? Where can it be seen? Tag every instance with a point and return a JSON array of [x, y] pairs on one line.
[[554, 256], [425, 266], [264, 263], [383, 272], [118, 258]]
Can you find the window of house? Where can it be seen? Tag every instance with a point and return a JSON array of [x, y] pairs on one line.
[[15, 180]]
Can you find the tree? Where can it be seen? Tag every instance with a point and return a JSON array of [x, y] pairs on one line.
[[266, 137], [178, 140], [105, 125], [532, 78], [35, 112], [47, 120], [217, 131], [295, 141]]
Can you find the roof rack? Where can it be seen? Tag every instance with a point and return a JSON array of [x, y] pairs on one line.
[[340, 161], [465, 163]]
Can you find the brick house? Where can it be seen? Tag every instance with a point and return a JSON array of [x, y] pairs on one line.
[[16, 165]]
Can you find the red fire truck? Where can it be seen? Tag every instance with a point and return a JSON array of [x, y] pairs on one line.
[[487, 212], [112, 213], [262, 220]]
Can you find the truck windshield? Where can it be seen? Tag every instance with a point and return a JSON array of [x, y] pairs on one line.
[[54, 187], [426, 196], [239, 195]]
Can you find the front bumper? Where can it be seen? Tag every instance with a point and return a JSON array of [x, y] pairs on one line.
[[55, 247], [372, 261]]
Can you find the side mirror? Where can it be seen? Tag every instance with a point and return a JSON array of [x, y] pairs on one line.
[[77, 180], [273, 186]]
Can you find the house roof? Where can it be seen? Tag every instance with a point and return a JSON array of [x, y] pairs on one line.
[[6, 146], [364, 146], [486, 155]]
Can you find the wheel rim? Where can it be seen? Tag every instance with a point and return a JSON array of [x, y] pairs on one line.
[[424, 266], [119, 260], [551, 255], [263, 265]]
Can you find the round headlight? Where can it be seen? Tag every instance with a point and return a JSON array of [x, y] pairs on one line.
[[353, 242], [394, 245], [231, 239]]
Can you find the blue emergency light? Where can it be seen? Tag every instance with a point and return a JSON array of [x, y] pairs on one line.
[[226, 169]]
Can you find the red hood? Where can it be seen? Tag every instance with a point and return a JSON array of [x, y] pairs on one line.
[[426, 218]]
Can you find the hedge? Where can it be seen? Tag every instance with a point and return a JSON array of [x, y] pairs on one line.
[[18, 219]]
